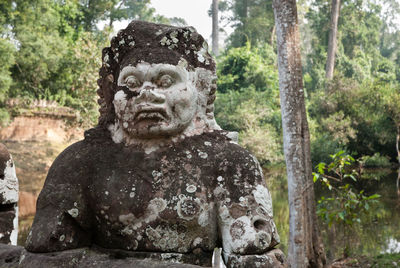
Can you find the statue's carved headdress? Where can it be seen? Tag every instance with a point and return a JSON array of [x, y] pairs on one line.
[[153, 43]]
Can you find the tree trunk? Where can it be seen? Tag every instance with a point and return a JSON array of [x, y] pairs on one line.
[[215, 28], [332, 45], [397, 142], [398, 159], [271, 42], [305, 246]]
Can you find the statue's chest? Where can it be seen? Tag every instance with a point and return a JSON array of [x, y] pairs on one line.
[[153, 200]]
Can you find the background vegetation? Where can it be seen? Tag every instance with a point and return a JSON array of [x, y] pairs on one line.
[[51, 50]]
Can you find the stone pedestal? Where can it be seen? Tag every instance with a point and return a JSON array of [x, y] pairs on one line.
[[15, 256]]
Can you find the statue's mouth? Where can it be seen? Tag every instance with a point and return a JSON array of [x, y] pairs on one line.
[[152, 114]]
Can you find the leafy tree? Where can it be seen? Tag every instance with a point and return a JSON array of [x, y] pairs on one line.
[[7, 52], [254, 115], [57, 48], [357, 51], [248, 100], [215, 27], [353, 117], [252, 20], [332, 44], [136, 10], [95, 10], [244, 67], [391, 103], [41, 49], [305, 243], [345, 206]]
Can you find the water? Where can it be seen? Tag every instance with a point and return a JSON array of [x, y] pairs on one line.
[[378, 233]]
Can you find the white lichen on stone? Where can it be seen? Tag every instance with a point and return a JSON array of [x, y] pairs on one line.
[[14, 232], [106, 58], [62, 238], [9, 185], [186, 124], [191, 188], [203, 155], [263, 198], [197, 241], [183, 63], [74, 212], [116, 57], [188, 154]]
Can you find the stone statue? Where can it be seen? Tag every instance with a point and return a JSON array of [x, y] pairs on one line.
[[157, 179], [8, 198]]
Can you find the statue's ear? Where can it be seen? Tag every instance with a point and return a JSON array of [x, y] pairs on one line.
[[106, 93]]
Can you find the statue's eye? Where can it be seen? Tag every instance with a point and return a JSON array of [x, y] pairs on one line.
[[165, 81], [132, 82]]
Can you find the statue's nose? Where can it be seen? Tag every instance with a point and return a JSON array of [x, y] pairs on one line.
[[148, 94]]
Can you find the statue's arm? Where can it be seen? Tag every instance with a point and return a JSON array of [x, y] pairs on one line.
[[245, 218], [62, 218]]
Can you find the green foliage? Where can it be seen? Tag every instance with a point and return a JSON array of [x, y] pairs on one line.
[[7, 52], [376, 160], [138, 10], [386, 260], [252, 20], [257, 135], [244, 67], [257, 119], [346, 205], [364, 52], [4, 117], [354, 116], [248, 100], [55, 53]]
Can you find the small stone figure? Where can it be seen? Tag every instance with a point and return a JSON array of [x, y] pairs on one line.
[[157, 179], [8, 198]]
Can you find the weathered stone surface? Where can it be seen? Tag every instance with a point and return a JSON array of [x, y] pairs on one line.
[[273, 258], [10, 255], [87, 257], [8, 198], [15, 256], [157, 177]]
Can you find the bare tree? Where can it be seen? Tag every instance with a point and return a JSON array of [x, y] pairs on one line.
[[215, 27], [305, 246], [332, 45]]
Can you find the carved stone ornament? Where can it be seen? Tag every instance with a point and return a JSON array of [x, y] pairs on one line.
[[157, 183], [8, 198]]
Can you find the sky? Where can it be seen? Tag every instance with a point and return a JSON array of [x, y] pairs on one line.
[[194, 12]]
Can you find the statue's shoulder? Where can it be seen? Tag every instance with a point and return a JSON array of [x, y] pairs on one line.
[[225, 144], [235, 163], [97, 135], [81, 152]]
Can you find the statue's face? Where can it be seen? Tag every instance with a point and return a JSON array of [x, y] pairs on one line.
[[162, 102]]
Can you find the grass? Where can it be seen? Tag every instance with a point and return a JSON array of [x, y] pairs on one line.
[[386, 260]]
